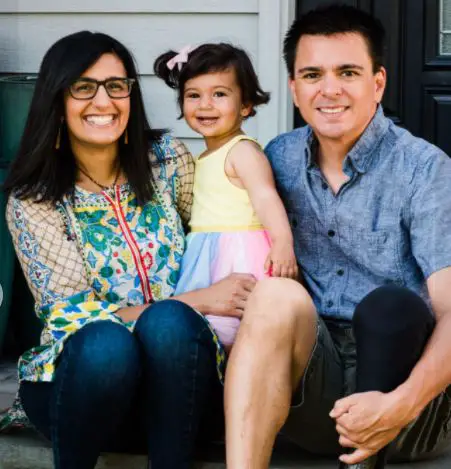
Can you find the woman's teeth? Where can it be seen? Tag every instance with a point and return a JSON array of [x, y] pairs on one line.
[[100, 120]]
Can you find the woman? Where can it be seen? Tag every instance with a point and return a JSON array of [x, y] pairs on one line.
[[96, 202]]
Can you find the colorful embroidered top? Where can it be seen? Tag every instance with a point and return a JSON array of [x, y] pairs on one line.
[[97, 253]]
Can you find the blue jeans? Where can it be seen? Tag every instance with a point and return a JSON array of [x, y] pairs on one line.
[[114, 390]]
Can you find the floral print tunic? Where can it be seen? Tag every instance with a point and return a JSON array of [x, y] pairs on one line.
[[99, 252]]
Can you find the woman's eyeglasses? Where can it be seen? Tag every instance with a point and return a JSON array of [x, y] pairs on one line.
[[116, 88]]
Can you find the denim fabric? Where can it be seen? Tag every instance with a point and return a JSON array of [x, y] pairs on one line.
[[113, 388], [389, 224]]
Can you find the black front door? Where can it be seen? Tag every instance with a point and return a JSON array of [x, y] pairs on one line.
[[418, 61]]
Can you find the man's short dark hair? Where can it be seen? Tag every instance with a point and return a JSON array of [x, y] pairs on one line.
[[331, 20]]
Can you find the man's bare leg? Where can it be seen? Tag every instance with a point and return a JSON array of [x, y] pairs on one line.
[[273, 346]]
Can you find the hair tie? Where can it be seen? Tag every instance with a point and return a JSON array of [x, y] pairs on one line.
[[181, 58]]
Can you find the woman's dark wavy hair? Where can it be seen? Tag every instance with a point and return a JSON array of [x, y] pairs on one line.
[[45, 174], [209, 58], [334, 19]]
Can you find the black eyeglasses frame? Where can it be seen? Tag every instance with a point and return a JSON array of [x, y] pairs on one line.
[[99, 83]]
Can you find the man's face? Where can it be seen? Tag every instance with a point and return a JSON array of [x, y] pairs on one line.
[[334, 86]]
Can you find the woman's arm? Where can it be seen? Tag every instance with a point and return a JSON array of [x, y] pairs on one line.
[[247, 163], [53, 267], [183, 179], [225, 298]]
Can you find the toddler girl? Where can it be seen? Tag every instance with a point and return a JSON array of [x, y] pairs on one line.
[[238, 222]]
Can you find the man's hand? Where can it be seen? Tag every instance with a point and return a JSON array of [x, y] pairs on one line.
[[369, 421], [227, 297]]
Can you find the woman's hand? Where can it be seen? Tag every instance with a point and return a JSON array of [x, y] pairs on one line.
[[227, 297], [131, 313]]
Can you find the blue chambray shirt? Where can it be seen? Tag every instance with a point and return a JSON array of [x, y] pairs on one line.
[[389, 224]]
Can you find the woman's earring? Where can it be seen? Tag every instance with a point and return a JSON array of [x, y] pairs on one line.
[[126, 137], [58, 137]]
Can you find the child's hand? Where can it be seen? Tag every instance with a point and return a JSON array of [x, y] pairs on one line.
[[281, 261]]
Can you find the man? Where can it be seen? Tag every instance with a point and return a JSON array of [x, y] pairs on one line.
[[367, 362]]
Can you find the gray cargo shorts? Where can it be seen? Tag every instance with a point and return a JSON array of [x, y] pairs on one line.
[[330, 375]]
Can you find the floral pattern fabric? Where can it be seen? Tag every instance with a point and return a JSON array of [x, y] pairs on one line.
[[99, 252]]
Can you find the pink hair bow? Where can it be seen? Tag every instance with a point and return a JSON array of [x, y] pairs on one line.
[[181, 58]]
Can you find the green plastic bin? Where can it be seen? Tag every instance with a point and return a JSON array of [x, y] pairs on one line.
[[7, 259], [16, 92]]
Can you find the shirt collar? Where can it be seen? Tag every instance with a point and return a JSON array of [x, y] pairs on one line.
[[311, 148], [361, 153]]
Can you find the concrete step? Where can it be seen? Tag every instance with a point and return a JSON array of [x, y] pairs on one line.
[[27, 450]]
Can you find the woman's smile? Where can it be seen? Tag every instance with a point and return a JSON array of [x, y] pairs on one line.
[[100, 121]]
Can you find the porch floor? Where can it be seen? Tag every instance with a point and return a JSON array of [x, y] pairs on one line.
[[28, 450]]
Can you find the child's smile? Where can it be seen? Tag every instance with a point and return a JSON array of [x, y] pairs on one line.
[[207, 121], [212, 106]]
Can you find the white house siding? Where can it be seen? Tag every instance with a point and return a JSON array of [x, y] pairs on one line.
[[149, 27]]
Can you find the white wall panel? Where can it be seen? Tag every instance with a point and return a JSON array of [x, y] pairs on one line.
[[24, 38], [136, 6], [149, 27]]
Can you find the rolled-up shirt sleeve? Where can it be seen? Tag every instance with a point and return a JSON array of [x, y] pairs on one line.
[[430, 214]]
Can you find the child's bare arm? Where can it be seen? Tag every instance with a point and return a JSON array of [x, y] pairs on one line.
[[247, 166]]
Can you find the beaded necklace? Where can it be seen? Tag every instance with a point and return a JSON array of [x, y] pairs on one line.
[[102, 186]]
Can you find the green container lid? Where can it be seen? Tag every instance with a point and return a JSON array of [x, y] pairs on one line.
[[16, 92], [19, 79]]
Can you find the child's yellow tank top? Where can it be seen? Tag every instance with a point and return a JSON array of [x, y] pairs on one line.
[[219, 205]]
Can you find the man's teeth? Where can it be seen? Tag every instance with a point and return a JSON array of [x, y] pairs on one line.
[[100, 120], [332, 110]]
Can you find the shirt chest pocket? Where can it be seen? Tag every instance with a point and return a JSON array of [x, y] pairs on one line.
[[374, 251]]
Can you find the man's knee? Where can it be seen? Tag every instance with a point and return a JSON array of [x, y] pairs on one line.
[[391, 309], [279, 306]]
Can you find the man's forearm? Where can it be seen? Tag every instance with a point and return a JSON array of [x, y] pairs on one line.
[[432, 373]]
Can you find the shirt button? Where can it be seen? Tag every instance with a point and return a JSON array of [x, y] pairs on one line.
[[329, 304], [340, 272], [325, 186], [294, 223], [331, 233]]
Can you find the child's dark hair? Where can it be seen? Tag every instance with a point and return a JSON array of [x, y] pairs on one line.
[[209, 58], [336, 19]]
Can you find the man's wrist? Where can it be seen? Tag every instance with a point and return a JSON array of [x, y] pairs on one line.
[[408, 397]]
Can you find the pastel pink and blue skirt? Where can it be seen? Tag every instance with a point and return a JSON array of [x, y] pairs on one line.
[[211, 256]]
